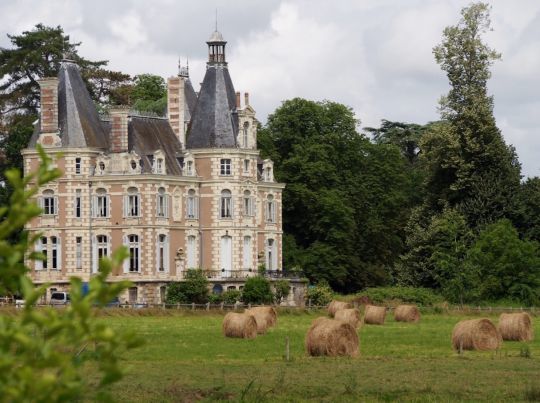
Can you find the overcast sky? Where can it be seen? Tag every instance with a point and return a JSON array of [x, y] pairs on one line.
[[372, 55]]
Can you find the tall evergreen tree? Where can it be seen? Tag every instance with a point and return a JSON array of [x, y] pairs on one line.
[[484, 173]]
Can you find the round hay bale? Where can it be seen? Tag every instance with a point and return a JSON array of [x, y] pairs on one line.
[[476, 334], [407, 313], [374, 315], [350, 316], [241, 325], [332, 338], [336, 306], [265, 316], [516, 326]]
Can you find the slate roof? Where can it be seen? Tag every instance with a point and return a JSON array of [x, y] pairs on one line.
[[190, 99], [78, 121], [214, 123]]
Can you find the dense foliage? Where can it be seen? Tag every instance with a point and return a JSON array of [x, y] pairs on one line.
[[320, 294], [420, 296], [257, 291], [193, 289], [44, 352]]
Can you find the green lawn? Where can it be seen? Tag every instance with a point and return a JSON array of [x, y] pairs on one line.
[[186, 358]]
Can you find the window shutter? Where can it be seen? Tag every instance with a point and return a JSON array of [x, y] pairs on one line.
[[125, 208], [108, 206], [196, 206], [166, 253], [39, 248], [157, 254], [157, 205], [126, 261], [58, 253], [139, 254], [95, 263], [55, 212], [93, 206], [166, 206]]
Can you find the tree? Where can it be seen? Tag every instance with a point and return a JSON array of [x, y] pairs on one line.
[[346, 199], [257, 291], [527, 218], [282, 289], [149, 94], [44, 353], [484, 175], [508, 266], [194, 289]]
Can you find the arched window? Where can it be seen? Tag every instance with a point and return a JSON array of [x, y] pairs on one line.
[[192, 205], [247, 255], [189, 168], [133, 164], [191, 252], [101, 167], [271, 255], [270, 209], [245, 134], [49, 203], [162, 253], [226, 204], [162, 203], [101, 203], [131, 203], [248, 204]]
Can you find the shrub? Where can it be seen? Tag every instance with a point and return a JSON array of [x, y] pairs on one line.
[[231, 296], [45, 353], [282, 289], [193, 289], [215, 298], [257, 291], [420, 296], [320, 294]]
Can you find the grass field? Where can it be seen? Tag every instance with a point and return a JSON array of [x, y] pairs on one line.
[[186, 358]]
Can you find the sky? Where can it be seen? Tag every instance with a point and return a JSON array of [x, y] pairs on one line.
[[372, 55]]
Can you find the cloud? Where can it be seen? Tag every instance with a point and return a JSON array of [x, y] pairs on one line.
[[373, 55]]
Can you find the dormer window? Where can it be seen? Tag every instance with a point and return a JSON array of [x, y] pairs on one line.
[[246, 166], [189, 168], [133, 165], [268, 174], [77, 166], [225, 166], [159, 165], [101, 167]]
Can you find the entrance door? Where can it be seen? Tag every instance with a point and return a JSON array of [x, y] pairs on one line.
[[226, 255]]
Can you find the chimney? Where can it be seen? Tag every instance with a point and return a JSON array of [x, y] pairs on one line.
[[119, 129], [175, 107], [49, 104], [237, 100], [246, 98]]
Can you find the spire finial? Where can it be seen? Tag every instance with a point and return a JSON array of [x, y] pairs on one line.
[[216, 18], [179, 66]]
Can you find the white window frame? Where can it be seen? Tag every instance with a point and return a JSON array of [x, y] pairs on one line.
[[132, 203], [226, 204], [246, 166], [191, 252], [45, 251], [271, 255], [78, 163], [225, 167], [101, 204], [192, 205], [160, 164], [78, 252], [162, 203], [56, 253], [245, 135], [162, 253], [189, 168], [49, 203], [134, 249], [248, 204], [77, 206], [270, 209], [247, 255]]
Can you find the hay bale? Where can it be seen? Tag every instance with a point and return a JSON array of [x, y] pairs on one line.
[[336, 306], [332, 338], [240, 325], [407, 313], [374, 315], [476, 334], [516, 326], [350, 316], [265, 316]]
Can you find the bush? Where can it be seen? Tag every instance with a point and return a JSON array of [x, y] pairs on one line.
[[420, 296], [231, 296], [282, 289], [215, 298], [320, 294], [193, 289], [257, 291]]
